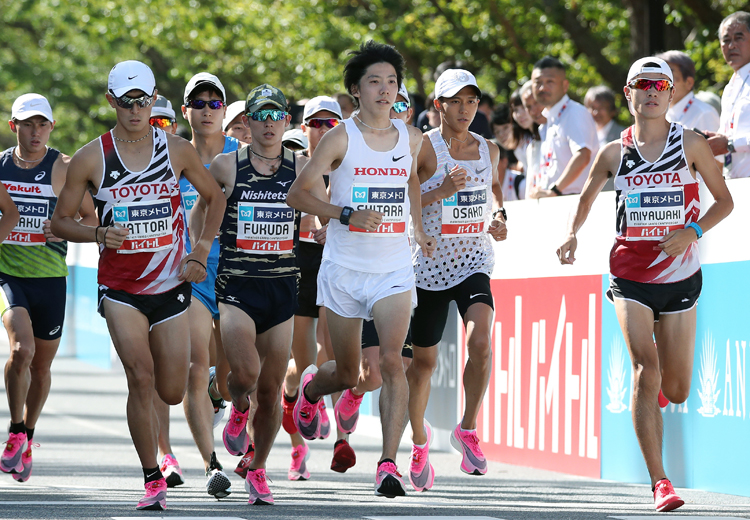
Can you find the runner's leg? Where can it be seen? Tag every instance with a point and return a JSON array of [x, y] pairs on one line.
[[17, 369], [41, 379], [478, 322], [419, 375]]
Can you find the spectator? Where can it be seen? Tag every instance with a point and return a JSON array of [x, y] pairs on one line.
[[733, 137], [487, 105], [534, 148], [512, 181], [569, 142], [502, 126], [685, 108], [600, 102], [524, 129]]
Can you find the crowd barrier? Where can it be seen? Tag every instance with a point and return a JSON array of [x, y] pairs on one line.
[[560, 392]]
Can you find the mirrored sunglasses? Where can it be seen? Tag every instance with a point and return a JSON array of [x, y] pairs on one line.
[[128, 102], [400, 106], [262, 115], [645, 84], [199, 104], [161, 122], [319, 122]]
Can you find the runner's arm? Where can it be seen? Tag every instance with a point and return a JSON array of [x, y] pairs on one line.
[[10, 215], [87, 211], [427, 243], [219, 171], [497, 225], [454, 181], [605, 165]]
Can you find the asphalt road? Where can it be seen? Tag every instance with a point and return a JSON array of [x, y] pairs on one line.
[[86, 467]]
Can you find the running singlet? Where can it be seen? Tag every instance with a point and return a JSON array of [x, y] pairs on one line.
[[459, 223], [32, 192], [148, 204], [653, 199], [190, 197], [367, 179], [259, 233]]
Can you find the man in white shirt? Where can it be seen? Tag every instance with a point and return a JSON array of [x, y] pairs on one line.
[[685, 108], [569, 140], [733, 137]]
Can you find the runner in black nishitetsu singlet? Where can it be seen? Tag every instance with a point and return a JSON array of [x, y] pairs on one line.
[[655, 276], [144, 274]]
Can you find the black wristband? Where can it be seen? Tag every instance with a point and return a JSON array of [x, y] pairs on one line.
[[197, 262], [554, 189], [345, 214], [502, 212]]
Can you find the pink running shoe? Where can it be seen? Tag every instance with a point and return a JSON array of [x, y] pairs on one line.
[[325, 422], [15, 446], [155, 498], [467, 443], [347, 411], [257, 487], [171, 471], [665, 499], [298, 468], [388, 481], [307, 414], [26, 459], [236, 439], [421, 472]]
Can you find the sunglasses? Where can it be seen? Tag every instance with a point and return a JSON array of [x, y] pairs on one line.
[[645, 84], [262, 115], [161, 122], [199, 104], [128, 102], [400, 106], [319, 122]]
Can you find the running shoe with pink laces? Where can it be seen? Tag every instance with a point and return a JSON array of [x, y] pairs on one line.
[[466, 443], [155, 498], [343, 456], [257, 488], [15, 446], [236, 439], [244, 463], [24, 475], [388, 481], [298, 468], [171, 471], [421, 472], [307, 414], [346, 411], [325, 422], [665, 498]]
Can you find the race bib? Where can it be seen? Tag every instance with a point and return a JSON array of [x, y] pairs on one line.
[[265, 228], [150, 225], [654, 213], [389, 199], [306, 236], [189, 198], [30, 228], [464, 213]]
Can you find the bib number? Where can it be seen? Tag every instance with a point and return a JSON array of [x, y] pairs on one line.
[[463, 213], [265, 228], [389, 199], [149, 223], [652, 214], [30, 228]]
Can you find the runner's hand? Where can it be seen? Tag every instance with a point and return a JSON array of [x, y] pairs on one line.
[[115, 236], [48, 232], [366, 219], [454, 181], [677, 242], [192, 271], [319, 235], [498, 230], [566, 252], [426, 242]]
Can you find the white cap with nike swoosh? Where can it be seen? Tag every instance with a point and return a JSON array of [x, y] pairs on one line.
[[30, 105], [131, 75]]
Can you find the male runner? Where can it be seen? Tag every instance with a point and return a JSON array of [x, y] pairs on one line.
[[144, 275], [256, 285], [458, 169], [655, 276], [32, 273], [203, 109], [366, 271], [163, 116], [233, 125]]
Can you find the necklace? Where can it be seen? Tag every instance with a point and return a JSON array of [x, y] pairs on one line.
[[372, 127], [18, 156], [450, 140], [268, 160], [134, 140]]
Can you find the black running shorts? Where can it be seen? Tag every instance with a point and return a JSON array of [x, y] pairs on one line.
[[268, 301], [43, 298], [309, 257], [370, 338], [661, 298], [157, 308]]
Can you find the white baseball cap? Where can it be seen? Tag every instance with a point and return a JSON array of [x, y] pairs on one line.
[[201, 78], [233, 110], [453, 80], [320, 103], [295, 136], [30, 105], [403, 93], [162, 107], [131, 75], [649, 64]]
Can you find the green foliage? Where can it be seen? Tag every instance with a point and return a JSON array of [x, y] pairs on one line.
[[64, 49]]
